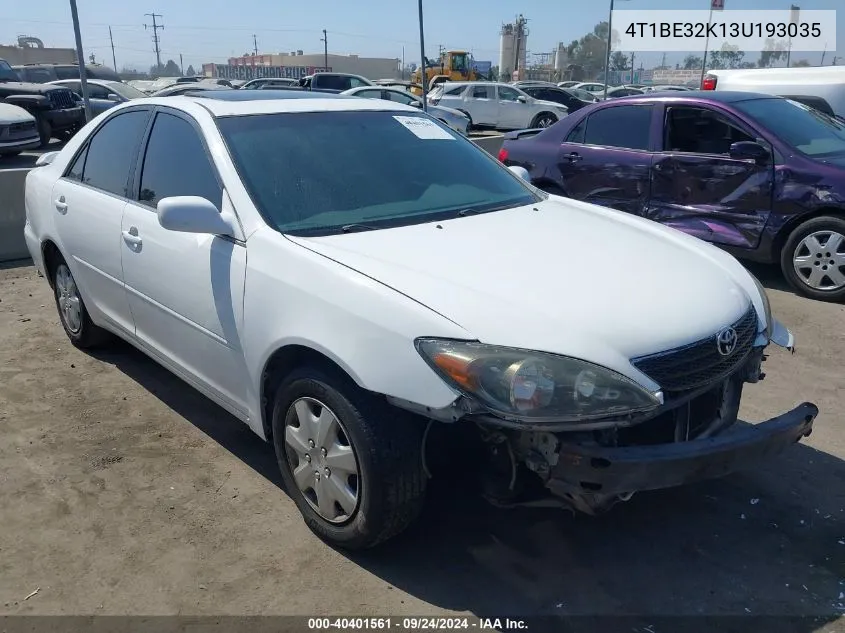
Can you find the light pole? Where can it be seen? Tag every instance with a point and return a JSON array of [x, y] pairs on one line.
[[422, 59], [609, 42], [80, 57]]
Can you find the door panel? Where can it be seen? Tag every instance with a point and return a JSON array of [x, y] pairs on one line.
[[482, 105], [512, 113], [186, 295], [698, 188], [185, 290], [606, 159]]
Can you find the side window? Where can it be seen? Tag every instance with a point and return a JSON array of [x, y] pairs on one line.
[[112, 150], [700, 131], [355, 82], [97, 92], [453, 91], [398, 97], [480, 92], [577, 133], [508, 94], [76, 169], [176, 164], [369, 94], [628, 127]]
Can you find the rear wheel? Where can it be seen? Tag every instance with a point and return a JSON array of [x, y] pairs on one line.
[[73, 314], [350, 461], [813, 258], [544, 119]]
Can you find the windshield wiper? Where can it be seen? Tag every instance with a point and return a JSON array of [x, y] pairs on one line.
[[465, 212], [348, 228]]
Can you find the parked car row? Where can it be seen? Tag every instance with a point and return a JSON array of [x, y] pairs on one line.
[[761, 176], [383, 303]]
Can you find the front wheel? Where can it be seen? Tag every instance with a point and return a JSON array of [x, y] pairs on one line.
[[813, 258], [350, 461], [543, 120]]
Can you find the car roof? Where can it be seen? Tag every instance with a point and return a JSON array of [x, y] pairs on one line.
[[726, 96], [236, 103]]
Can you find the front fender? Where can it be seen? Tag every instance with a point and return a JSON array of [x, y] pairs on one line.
[[294, 296]]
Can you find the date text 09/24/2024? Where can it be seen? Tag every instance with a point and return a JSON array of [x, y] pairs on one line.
[[415, 624]]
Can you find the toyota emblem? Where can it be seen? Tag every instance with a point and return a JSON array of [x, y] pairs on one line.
[[726, 341]]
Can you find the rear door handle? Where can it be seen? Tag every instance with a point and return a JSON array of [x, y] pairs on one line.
[[61, 205], [132, 238], [574, 156]]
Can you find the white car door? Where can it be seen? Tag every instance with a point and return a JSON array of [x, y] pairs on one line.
[[185, 290], [513, 114], [481, 105], [88, 201]]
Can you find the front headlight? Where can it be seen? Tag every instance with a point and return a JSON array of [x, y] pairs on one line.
[[534, 386], [767, 307]]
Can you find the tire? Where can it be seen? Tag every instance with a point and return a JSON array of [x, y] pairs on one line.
[[820, 271], [45, 130], [73, 314], [382, 442], [543, 120]]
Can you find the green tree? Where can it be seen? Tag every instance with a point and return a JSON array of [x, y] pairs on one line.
[[801, 63], [171, 69], [729, 56], [692, 62], [619, 61], [589, 51], [773, 52], [191, 71]]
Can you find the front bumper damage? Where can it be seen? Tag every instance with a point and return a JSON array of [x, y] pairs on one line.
[[621, 471]]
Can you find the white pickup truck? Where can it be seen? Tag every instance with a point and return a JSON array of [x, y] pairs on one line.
[[821, 87]]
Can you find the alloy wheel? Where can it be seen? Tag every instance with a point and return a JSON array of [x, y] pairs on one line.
[[322, 460], [70, 304], [819, 260]]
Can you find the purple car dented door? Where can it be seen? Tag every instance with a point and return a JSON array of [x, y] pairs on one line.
[[763, 177]]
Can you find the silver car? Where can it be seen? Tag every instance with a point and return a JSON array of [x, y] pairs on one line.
[[455, 119]]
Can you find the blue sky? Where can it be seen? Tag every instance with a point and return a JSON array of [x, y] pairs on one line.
[[212, 30]]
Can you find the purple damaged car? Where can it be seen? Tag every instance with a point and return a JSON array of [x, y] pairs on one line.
[[761, 176]]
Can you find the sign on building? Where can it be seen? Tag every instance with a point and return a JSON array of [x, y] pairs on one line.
[[229, 71], [717, 5]]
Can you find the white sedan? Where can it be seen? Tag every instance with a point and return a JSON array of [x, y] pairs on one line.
[[18, 130], [343, 275]]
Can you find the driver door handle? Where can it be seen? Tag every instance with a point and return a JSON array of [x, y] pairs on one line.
[[61, 205], [132, 238], [574, 156]]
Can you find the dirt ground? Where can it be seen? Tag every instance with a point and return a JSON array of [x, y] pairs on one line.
[[123, 491]]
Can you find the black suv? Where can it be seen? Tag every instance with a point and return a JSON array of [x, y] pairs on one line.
[[42, 73], [56, 112]]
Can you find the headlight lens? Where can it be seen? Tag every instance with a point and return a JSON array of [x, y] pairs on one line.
[[767, 308], [534, 386]]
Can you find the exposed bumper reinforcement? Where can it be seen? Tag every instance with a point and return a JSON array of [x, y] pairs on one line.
[[617, 471]]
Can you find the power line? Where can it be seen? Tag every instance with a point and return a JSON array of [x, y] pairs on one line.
[[155, 28]]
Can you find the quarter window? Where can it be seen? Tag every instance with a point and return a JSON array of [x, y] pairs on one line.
[[577, 134], [627, 127], [176, 164], [112, 150], [76, 170], [481, 92]]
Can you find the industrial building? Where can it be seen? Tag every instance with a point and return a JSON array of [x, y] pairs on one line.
[[297, 64], [31, 50], [513, 49]]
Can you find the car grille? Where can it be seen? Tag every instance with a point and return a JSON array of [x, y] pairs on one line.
[[61, 99], [699, 363]]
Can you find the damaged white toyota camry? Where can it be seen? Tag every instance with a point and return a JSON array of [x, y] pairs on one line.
[[346, 275]]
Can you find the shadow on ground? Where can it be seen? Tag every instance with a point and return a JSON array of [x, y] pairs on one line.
[[768, 542]]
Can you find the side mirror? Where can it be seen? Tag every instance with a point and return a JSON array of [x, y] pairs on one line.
[[46, 159], [522, 99], [192, 214], [115, 98], [521, 172], [749, 150]]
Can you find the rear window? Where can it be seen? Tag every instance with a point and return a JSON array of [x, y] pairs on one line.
[[316, 173]]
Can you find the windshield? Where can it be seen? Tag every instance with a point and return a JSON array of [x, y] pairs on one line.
[[126, 91], [7, 73], [316, 173], [809, 131]]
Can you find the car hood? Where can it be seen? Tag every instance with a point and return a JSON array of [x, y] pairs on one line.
[[13, 114], [25, 88], [559, 276]]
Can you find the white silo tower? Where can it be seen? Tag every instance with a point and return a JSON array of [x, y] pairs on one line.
[[507, 50]]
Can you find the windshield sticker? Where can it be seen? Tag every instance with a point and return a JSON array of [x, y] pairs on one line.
[[424, 128]]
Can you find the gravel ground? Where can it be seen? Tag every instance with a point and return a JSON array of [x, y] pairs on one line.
[[123, 491]]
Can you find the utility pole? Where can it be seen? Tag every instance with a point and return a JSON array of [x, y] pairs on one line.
[[155, 27], [403, 62], [92, 58], [181, 65], [663, 61], [254, 44], [633, 68], [823, 54], [113, 58], [423, 74], [80, 59], [325, 41]]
